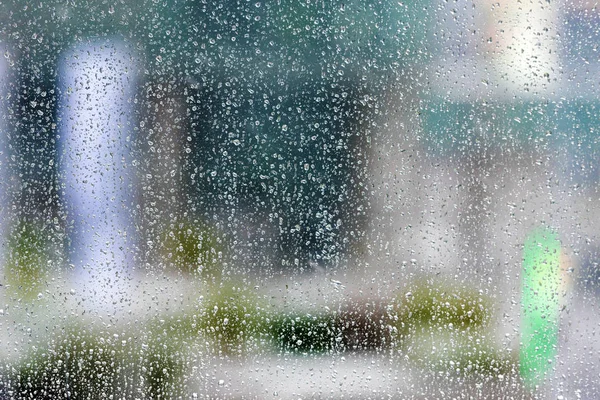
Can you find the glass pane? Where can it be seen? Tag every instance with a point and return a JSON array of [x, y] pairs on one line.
[[299, 199]]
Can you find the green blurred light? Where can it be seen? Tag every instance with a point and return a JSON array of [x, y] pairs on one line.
[[539, 305]]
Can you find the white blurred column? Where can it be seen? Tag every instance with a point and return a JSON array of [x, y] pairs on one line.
[[97, 82]]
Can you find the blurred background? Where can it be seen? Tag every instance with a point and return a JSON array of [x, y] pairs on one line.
[[299, 199]]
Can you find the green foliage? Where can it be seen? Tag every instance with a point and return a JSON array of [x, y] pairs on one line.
[[89, 364], [430, 306], [307, 333], [193, 247], [357, 327], [79, 364], [233, 318], [27, 269], [440, 328], [445, 327], [163, 367]]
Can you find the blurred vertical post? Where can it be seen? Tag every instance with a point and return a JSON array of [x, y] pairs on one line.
[[541, 282], [97, 82], [163, 198], [5, 190]]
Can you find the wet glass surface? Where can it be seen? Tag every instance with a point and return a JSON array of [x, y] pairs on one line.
[[299, 199]]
